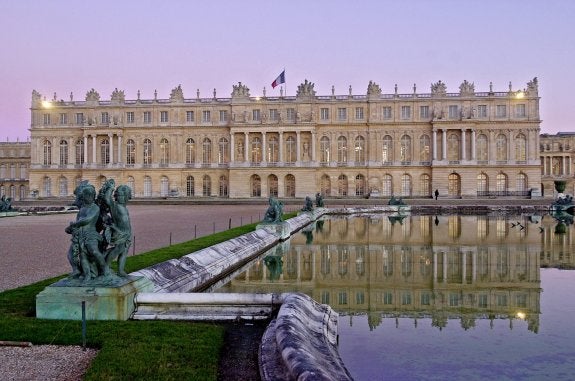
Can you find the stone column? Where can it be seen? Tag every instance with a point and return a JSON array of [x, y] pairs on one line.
[[434, 147], [434, 267], [297, 148], [313, 137], [246, 147], [444, 267], [264, 153], [85, 153], [564, 166], [464, 268], [444, 144], [93, 149], [232, 148], [111, 137], [281, 147], [463, 148], [119, 149], [473, 145], [473, 267]]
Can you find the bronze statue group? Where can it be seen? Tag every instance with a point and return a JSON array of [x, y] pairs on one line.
[[101, 232]]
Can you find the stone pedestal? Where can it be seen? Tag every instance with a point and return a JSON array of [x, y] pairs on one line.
[[105, 300], [282, 229]]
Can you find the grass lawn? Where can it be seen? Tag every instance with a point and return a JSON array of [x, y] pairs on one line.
[[129, 350]]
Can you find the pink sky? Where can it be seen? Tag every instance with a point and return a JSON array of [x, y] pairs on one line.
[[73, 46]]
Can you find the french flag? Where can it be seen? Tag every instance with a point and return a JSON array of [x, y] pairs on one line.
[[279, 80]]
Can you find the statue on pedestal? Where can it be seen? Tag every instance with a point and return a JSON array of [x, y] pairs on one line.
[[308, 206], [274, 213]]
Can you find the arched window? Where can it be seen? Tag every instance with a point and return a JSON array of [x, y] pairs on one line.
[[425, 185], [256, 150], [325, 185], [520, 148], [342, 150], [164, 186], [273, 185], [482, 150], [256, 186], [147, 186], [405, 148], [132, 185], [224, 191], [501, 184], [521, 182], [63, 186], [501, 147], [387, 149], [22, 192], [206, 186], [482, 184], [190, 186], [273, 150], [454, 185], [190, 151], [359, 150], [387, 189], [80, 151], [424, 148], [130, 153], [291, 153], [342, 185], [105, 151], [360, 185], [405, 185], [453, 149], [290, 185], [324, 150], [47, 146], [223, 151], [63, 152], [164, 152], [47, 186], [206, 152], [147, 152]]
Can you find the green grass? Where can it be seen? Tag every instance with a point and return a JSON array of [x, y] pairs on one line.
[[129, 350]]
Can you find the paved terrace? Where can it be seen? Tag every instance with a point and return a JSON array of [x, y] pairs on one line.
[[33, 248]]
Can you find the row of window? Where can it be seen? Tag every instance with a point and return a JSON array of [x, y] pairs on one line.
[[13, 172], [453, 112], [255, 150]]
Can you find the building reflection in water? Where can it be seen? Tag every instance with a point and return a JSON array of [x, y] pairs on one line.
[[438, 267]]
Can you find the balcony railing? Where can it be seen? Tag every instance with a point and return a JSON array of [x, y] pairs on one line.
[[524, 193]]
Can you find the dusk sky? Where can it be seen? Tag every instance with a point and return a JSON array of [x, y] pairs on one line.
[[73, 46]]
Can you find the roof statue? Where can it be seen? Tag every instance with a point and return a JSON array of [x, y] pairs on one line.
[[373, 90], [438, 89], [466, 89], [36, 98], [533, 87], [240, 90], [177, 94], [92, 95], [118, 96], [305, 89]]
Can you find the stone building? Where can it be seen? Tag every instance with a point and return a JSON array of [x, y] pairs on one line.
[[557, 161], [14, 169], [464, 144]]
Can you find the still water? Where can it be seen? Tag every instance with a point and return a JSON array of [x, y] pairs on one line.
[[436, 298]]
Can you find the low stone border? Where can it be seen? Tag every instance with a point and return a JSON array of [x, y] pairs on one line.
[[301, 343]]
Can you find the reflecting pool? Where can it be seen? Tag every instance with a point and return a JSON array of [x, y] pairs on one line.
[[436, 297]]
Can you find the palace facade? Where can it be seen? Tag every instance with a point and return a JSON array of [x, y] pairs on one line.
[[557, 161], [14, 168], [464, 144]]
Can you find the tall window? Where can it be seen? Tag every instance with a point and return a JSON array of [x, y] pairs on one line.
[[290, 114], [206, 116], [405, 149], [206, 186], [501, 183], [256, 186], [454, 185], [501, 147], [324, 149], [130, 152], [359, 113], [132, 185], [273, 185], [47, 148], [453, 147], [387, 149], [130, 117], [387, 185], [274, 114], [424, 148], [359, 150], [423, 112], [405, 112], [325, 185], [360, 185], [63, 187], [190, 151], [147, 117], [147, 152], [105, 117], [63, 152], [147, 186], [256, 150], [224, 188], [105, 151], [482, 184], [47, 185], [46, 119], [273, 150], [190, 186], [406, 185], [206, 151], [80, 151], [482, 111], [324, 113], [342, 113], [290, 185], [164, 152], [163, 117], [63, 118], [189, 116], [164, 186], [386, 110], [425, 185], [223, 116], [453, 112], [291, 152], [521, 182], [256, 115], [520, 148], [80, 118], [342, 185], [223, 151], [482, 148], [501, 111], [342, 150]]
